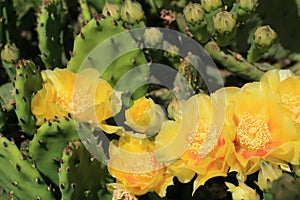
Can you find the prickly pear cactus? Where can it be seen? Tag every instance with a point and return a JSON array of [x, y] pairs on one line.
[[115, 60], [81, 176], [27, 81], [47, 145], [124, 42], [19, 177], [51, 20]]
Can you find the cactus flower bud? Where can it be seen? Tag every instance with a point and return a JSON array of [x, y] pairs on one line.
[[112, 10], [211, 5], [264, 36], [242, 191], [145, 116], [224, 22], [10, 53], [131, 12], [267, 174], [247, 5], [193, 13], [153, 37]]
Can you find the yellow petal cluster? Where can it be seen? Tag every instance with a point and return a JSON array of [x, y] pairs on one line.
[[135, 167], [206, 136], [145, 116], [85, 96]]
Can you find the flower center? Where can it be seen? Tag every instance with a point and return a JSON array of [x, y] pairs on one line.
[[253, 132], [75, 103], [292, 103], [203, 140]]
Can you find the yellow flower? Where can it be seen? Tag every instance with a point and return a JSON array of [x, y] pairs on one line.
[[242, 192], [196, 140], [274, 77], [145, 116], [262, 130], [80, 95], [284, 83], [289, 91], [135, 167]]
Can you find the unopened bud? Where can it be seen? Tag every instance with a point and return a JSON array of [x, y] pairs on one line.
[[193, 13]]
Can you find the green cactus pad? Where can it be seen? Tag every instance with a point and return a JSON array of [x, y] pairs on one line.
[[19, 178], [81, 176], [48, 143], [95, 48], [50, 22], [28, 80]]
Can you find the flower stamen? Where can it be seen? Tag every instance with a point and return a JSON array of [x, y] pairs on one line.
[[253, 132], [292, 103], [203, 139]]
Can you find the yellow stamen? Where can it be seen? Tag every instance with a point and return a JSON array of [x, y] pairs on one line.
[[203, 140], [75, 103], [253, 132]]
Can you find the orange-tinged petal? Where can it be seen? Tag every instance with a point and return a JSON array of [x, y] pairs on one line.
[[260, 123], [135, 167]]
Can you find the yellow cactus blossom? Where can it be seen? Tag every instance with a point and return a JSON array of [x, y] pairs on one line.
[[145, 116], [289, 91], [274, 77], [285, 83], [80, 95], [242, 192], [262, 130], [196, 140], [133, 164]]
